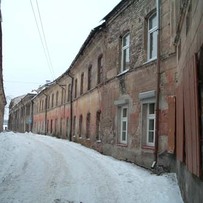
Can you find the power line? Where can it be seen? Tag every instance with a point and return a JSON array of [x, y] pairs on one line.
[[48, 53], [43, 39]]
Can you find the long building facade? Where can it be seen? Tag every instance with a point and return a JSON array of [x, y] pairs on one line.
[[132, 91]]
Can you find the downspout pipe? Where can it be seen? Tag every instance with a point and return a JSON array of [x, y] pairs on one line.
[[63, 102], [32, 115], [45, 114], [71, 106], [158, 83]]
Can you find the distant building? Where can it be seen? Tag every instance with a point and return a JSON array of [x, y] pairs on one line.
[[21, 113], [2, 93]]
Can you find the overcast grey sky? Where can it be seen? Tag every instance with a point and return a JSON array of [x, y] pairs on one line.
[[66, 24]]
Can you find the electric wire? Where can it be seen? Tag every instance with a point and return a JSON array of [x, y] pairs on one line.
[[45, 41], [45, 47]]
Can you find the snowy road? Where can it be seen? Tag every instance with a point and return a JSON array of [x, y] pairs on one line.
[[41, 169]]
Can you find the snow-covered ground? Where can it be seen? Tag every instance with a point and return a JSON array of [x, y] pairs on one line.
[[41, 169]]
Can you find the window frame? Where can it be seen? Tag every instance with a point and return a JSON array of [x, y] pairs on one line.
[[88, 124], [123, 49], [80, 126], [89, 82], [98, 125], [69, 93], [52, 100], [81, 83], [150, 117], [76, 87], [57, 97], [74, 125], [149, 32], [123, 119], [100, 69]]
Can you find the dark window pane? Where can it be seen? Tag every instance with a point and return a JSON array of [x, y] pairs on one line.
[[151, 108], [151, 137], [151, 124]]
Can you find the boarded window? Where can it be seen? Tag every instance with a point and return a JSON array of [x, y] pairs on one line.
[[188, 134]]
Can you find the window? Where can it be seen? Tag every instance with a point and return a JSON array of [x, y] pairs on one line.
[[98, 119], [151, 124], [51, 127], [67, 128], [47, 127], [88, 125], [124, 125], [61, 123], [81, 83], [125, 58], [42, 105], [62, 96], [100, 69], [76, 86], [148, 120], [56, 126], [28, 110], [89, 84], [69, 93], [152, 37], [80, 126], [74, 125], [52, 100], [48, 102], [57, 98]]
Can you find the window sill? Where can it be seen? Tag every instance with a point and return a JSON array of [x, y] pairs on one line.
[[150, 61], [122, 73], [148, 147]]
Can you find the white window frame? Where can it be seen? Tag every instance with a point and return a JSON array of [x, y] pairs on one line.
[[150, 117], [151, 31], [123, 119], [127, 49]]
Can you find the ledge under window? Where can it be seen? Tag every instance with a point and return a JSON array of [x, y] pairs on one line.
[[148, 147], [150, 61], [122, 73]]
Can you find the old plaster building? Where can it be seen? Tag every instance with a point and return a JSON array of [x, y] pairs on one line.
[[133, 91], [2, 94], [21, 113]]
